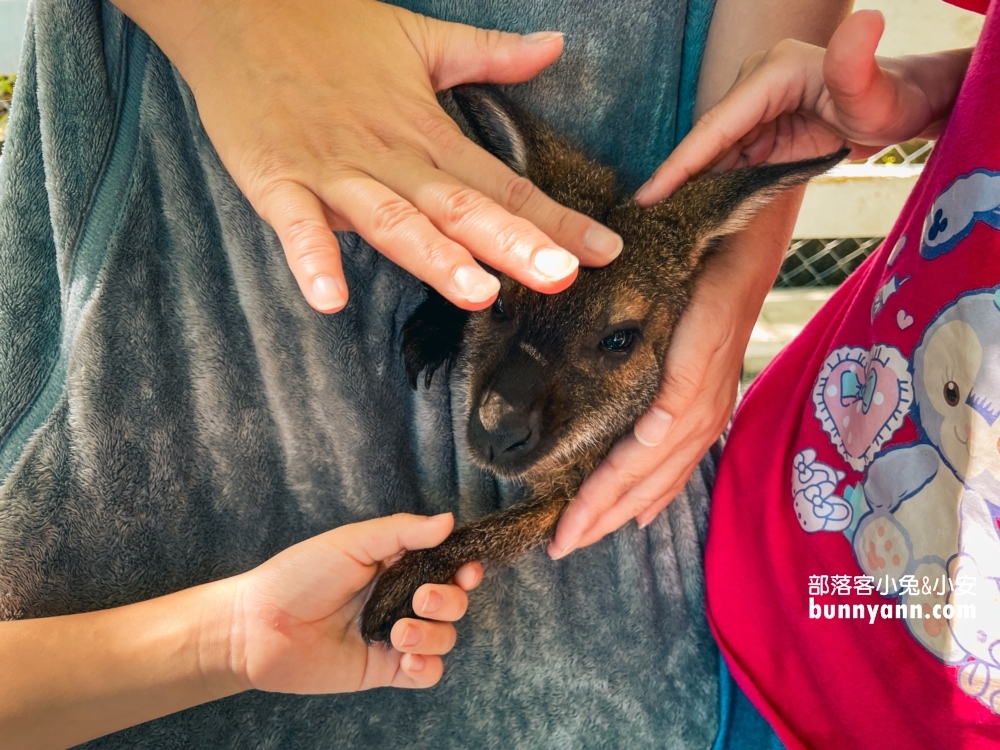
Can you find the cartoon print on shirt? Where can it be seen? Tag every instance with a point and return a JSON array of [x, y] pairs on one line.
[[888, 289], [814, 484], [896, 250], [861, 398], [971, 198], [932, 507]]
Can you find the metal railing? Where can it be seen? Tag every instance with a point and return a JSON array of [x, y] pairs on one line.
[[814, 262]]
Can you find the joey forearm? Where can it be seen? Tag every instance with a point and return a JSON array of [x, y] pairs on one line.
[[499, 539]]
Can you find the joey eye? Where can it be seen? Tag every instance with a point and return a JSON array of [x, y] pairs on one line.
[[618, 342], [498, 308], [951, 393]]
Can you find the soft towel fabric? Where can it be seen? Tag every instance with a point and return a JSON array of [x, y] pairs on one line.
[[173, 412]]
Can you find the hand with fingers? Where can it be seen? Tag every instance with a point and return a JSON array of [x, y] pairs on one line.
[[354, 139], [289, 625], [295, 620], [797, 101], [646, 470], [794, 101]]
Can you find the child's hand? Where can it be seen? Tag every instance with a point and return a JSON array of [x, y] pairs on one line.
[[796, 101], [295, 618]]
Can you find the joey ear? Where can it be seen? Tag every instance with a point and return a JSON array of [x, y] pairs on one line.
[[532, 149], [432, 337], [719, 205], [496, 122]]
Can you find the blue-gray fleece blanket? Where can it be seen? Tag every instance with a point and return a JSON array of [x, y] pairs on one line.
[[171, 411]]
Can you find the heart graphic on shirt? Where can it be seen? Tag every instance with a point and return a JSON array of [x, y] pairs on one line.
[[903, 320], [861, 398]]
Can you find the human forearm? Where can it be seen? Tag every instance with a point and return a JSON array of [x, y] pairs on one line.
[[72, 678], [288, 625], [740, 28]]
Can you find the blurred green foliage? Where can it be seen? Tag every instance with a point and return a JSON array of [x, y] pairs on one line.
[[6, 93]]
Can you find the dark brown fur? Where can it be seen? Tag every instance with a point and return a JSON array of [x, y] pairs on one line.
[[545, 402]]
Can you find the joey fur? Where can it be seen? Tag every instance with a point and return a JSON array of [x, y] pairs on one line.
[[552, 381]]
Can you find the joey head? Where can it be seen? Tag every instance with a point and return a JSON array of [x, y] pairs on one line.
[[552, 381]]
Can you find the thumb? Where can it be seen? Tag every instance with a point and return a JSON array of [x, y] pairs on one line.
[[456, 54], [858, 87], [370, 542]]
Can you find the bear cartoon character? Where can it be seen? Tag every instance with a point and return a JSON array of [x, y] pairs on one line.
[[932, 526]]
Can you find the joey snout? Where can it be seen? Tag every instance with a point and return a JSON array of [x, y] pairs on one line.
[[505, 434], [506, 423]]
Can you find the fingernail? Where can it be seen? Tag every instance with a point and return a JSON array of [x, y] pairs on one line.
[[565, 548], [475, 284], [603, 241], [411, 636], [644, 524], [554, 264], [652, 427], [542, 37], [326, 293], [432, 602], [640, 194], [560, 553], [415, 662]]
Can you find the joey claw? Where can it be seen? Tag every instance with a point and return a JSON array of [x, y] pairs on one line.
[[390, 600], [392, 597]]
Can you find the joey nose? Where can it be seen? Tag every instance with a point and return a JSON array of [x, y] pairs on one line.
[[504, 433]]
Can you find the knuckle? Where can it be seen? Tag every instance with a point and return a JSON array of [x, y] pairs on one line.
[[488, 40], [460, 203], [627, 472], [436, 253], [708, 425], [565, 223], [751, 62], [682, 385], [516, 192], [307, 239], [269, 196], [389, 217], [435, 126], [782, 50], [266, 169]]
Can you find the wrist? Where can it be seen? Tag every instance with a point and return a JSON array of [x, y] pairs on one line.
[[219, 637], [182, 29]]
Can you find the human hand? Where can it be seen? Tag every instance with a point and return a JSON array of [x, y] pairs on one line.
[[295, 617], [646, 470], [353, 138], [797, 101], [793, 102]]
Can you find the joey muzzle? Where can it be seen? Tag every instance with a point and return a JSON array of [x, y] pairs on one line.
[[506, 423]]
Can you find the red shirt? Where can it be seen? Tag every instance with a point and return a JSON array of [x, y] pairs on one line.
[[853, 559]]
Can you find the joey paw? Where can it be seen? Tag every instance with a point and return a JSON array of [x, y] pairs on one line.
[[392, 597]]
